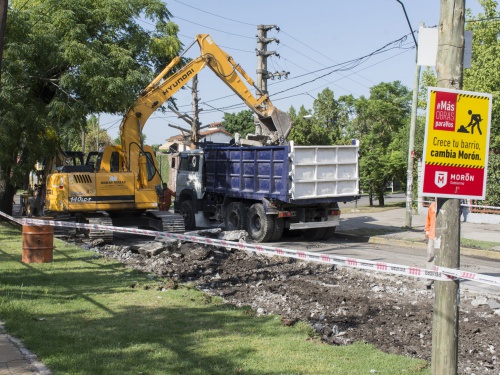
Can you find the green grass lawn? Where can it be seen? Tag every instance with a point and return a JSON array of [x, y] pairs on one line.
[[83, 314]]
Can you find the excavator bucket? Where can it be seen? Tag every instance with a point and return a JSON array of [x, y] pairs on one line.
[[278, 121], [282, 122]]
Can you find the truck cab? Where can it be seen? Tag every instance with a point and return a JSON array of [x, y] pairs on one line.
[[190, 184]]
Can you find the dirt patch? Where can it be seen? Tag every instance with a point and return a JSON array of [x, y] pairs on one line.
[[343, 305]]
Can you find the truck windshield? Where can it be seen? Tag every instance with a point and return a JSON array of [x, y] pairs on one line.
[[190, 163]]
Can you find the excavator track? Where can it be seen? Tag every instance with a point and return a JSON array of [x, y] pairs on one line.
[[172, 223], [106, 235]]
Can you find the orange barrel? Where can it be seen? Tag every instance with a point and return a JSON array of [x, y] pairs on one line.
[[38, 243]]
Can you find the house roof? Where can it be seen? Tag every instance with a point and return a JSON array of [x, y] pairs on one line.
[[213, 128]]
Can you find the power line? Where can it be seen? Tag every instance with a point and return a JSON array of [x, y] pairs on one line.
[[347, 65], [322, 64], [483, 19], [22, 6], [351, 64], [297, 40], [216, 15], [328, 82], [212, 28]]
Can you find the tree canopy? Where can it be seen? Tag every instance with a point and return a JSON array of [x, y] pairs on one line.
[[326, 124], [64, 60], [484, 75], [241, 122]]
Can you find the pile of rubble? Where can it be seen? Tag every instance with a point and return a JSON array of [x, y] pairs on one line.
[[343, 305]]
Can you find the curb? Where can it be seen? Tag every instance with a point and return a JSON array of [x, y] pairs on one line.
[[489, 254]]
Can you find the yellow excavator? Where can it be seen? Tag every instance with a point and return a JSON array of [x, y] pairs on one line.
[[123, 186]]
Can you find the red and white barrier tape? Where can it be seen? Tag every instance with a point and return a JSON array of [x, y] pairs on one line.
[[485, 279], [440, 273]]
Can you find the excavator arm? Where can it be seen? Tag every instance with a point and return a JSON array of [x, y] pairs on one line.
[[275, 124]]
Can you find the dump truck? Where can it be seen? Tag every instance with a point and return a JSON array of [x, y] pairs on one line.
[[267, 190]]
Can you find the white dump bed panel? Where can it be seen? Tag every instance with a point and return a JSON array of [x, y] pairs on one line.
[[323, 171]]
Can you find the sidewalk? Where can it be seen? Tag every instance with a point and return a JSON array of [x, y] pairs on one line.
[[15, 359], [393, 223]]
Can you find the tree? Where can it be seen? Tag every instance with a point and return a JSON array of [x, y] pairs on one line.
[[326, 124], [330, 115], [382, 121], [241, 122], [64, 60], [484, 75], [305, 130]]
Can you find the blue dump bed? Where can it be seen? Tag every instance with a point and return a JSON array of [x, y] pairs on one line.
[[292, 174], [248, 172]]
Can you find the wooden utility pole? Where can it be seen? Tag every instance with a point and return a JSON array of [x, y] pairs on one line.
[[195, 123], [4, 5], [449, 68]]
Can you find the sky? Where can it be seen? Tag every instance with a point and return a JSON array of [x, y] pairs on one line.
[[316, 38]]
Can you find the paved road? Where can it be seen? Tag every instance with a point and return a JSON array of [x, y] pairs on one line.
[[404, 255], [405, 246]]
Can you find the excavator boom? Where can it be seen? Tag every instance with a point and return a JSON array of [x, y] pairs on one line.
[[275, 124]]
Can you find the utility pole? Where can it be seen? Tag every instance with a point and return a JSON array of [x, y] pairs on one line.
[[449, 68], [411, 147], [4, 5], [262, 54], [98, 127], [195, 123]]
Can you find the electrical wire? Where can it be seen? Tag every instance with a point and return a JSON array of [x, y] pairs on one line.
[[215, 15], [345, 66], [483, 20], [212, 28]]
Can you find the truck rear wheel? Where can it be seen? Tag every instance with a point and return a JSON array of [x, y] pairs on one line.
[[279, 227], [260, 226], [236, 216], [313, 234], [330, 231], [187, 212]]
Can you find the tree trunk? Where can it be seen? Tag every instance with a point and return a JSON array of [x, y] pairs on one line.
[[381, 200], [7, 193]]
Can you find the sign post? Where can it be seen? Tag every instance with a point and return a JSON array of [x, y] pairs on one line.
[[456, 144]]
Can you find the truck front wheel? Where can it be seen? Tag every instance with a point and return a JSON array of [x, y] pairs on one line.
[[187, 212], [260, 226]]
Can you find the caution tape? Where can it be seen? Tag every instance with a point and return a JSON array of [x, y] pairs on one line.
[[439, 273], [459, 274]]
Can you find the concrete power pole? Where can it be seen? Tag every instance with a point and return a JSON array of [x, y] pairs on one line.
[[449, 67], [411, 146], [262, 53]]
